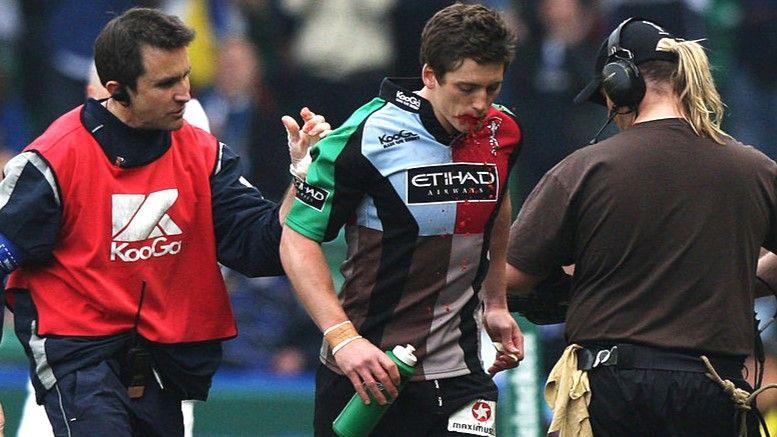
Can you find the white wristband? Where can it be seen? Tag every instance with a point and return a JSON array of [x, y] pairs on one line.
[[344, 343]]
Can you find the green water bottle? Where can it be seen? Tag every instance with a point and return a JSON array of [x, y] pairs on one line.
[[357, 419]]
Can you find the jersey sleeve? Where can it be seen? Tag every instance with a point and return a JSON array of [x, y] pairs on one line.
[[247, 227], [336, 181], [30, 208]]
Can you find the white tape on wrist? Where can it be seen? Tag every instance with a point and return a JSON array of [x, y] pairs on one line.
[[335, 326], [344, 343], [299, 169]]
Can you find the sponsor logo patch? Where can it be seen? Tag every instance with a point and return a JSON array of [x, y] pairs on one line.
[[459, 182], [403, 136], [141, 227], [476, 418], [411, 101], [310, 195]]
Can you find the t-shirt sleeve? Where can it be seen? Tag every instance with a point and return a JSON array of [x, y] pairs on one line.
[[336, 183], [541, 237]]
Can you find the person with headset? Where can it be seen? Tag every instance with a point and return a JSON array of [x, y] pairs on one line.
[[112, 226], [663, 223]]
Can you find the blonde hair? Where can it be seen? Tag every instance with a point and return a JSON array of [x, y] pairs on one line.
[[693, 82]]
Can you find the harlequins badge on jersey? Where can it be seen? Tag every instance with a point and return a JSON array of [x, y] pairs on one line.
[[493, 126]]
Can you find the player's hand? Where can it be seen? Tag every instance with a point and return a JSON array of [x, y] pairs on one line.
[[300, 140], [504, 331], [369, 368]]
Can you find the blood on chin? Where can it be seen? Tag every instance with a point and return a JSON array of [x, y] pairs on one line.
[[469, 122]]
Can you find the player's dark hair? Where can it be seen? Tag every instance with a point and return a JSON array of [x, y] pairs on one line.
[[117, 50], [462, 31]]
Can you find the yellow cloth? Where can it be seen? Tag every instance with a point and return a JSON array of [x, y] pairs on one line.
[[202, 51], [770, 416], [568, 394]]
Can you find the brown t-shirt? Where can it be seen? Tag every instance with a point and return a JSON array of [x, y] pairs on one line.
[[664, 228]]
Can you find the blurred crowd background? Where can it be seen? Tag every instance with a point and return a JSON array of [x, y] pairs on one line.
[[256, 60]]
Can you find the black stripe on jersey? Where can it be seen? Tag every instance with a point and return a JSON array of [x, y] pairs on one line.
[[400, 235], [352, 166], [396, 256], [470, 334]]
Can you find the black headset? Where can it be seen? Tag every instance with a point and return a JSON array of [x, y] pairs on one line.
[[120, 95], [621, 80]]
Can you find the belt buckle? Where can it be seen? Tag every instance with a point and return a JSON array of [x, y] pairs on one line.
[[606, 357]]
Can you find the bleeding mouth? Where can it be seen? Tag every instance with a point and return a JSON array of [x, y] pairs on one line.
[[470, 121]]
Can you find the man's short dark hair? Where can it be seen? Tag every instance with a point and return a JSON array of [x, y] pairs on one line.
[[462, 31], [117, 49]]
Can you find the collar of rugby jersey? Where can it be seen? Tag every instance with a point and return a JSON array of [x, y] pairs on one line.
[[399, 91], [124, 146]]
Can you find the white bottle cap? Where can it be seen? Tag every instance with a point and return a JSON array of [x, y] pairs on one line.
[[405, 354]]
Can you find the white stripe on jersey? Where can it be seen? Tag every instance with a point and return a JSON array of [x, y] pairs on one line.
[[13, 169]]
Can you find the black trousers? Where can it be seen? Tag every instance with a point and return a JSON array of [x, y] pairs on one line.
[[651, 403], [421, 409]]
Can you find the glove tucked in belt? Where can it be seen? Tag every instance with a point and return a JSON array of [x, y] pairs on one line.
[[548, 302]]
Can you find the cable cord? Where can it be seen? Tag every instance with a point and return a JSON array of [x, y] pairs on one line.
[[744, 401]]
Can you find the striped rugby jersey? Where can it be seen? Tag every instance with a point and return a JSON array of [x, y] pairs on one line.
[[417, 205]]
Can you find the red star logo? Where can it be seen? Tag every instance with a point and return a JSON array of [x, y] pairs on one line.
[[481, 411]]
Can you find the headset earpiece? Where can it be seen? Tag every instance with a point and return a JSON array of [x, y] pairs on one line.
[[621, 80], [623, 83], [120, 95]]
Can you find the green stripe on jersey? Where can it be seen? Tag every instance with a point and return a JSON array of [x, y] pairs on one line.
[[313, 204], [504, 109]]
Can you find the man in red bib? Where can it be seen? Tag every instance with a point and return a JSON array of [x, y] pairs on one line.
[[112, 225]]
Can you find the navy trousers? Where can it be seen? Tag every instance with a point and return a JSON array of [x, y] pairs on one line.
[[92, 401]]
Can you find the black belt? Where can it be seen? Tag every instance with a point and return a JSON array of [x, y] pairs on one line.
[[631, 356]]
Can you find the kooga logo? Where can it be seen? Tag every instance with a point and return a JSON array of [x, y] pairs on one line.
[[460, 182], [403, 136], [412, 102], [140, 218]]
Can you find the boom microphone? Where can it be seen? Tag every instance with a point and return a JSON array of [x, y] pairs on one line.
[[613, 113]]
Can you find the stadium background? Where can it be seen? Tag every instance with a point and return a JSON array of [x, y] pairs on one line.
[[255, 60]]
